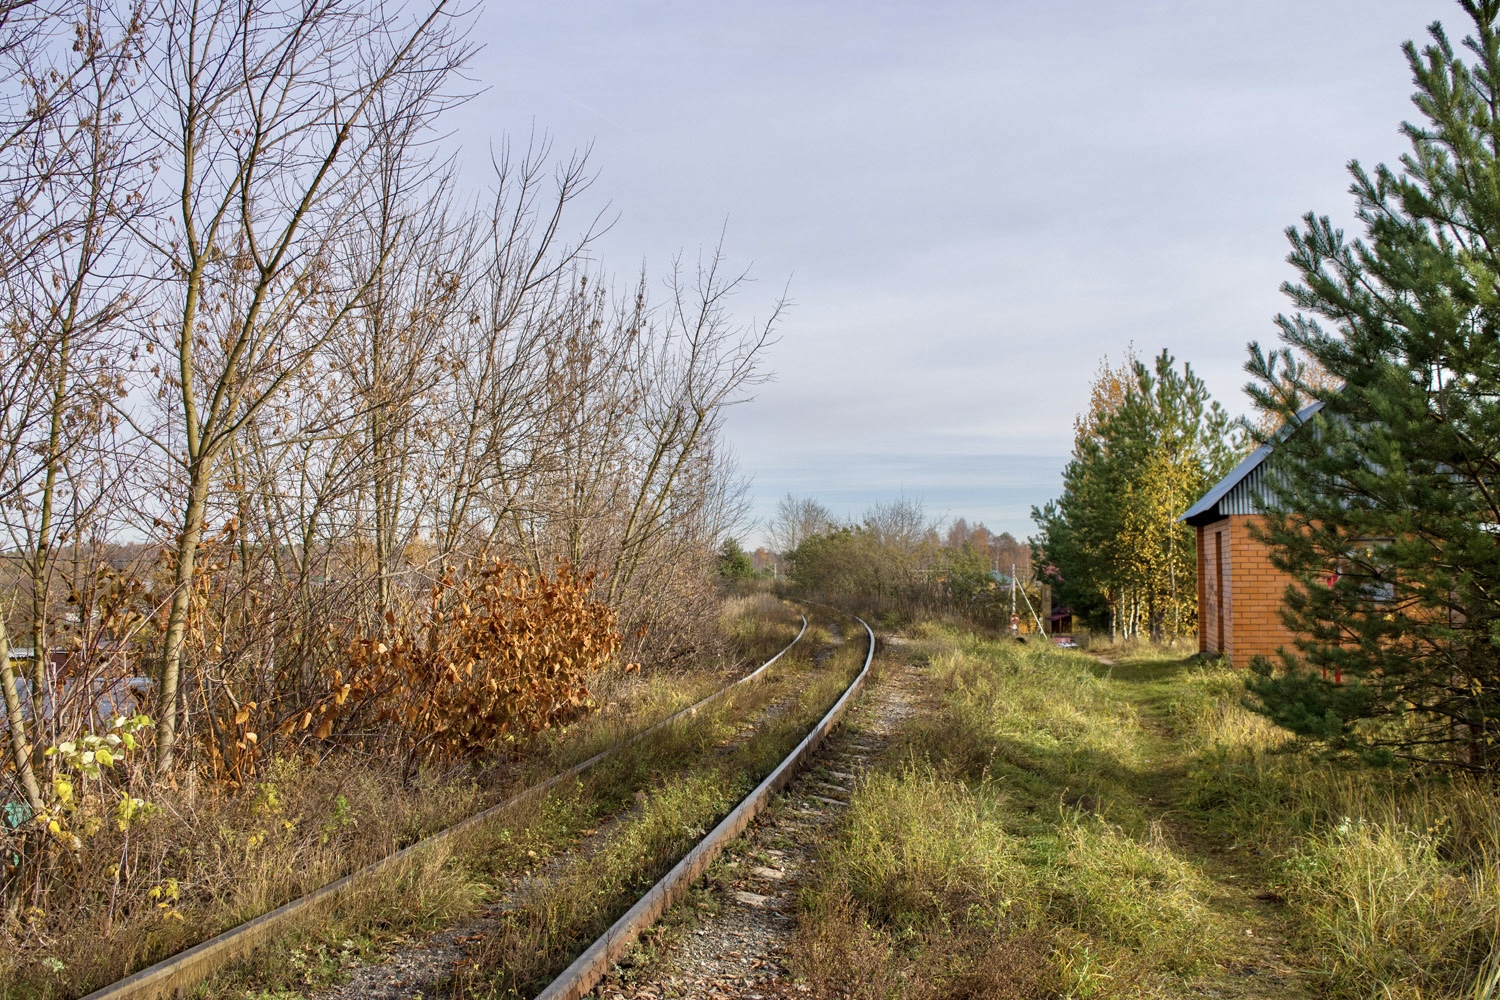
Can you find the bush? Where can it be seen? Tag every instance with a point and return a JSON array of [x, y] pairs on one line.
[[496, 654]]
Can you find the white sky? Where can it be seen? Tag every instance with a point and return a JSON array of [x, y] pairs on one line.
[[972, 202]]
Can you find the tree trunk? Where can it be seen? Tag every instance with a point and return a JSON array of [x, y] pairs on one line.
[[18, 747], [175, 636], [41, 555]]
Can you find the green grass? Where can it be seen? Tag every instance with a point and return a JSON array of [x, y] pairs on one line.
[[1132, 829], [1016, 809], [1391, 873]]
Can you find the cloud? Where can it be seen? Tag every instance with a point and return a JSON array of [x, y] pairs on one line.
[[975, 200]]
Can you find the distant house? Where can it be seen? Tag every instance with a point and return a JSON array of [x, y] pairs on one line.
[[82, 692], [1239, 591]]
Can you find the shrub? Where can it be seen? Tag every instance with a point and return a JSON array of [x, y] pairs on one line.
[[497, 653]]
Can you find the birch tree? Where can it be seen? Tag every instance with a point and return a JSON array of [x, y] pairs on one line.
[[1151, 443]]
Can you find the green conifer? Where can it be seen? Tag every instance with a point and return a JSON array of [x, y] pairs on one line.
[[1387, 499]]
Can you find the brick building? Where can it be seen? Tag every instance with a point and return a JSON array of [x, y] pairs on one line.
[[1239, 591]]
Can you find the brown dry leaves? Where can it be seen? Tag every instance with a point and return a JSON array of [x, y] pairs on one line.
[[496, 653]]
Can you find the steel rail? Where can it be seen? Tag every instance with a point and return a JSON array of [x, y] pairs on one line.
[[177, 973], [586, 971]]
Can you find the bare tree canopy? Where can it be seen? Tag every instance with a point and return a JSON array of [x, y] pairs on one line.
[[275, 388]]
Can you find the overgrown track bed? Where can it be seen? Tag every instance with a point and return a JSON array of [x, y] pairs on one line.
[[263, 954], [735, 936], [587, 970]]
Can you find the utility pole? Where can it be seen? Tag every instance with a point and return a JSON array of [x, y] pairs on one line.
[[1015, 620]]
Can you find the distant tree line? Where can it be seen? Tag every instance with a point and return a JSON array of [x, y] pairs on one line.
[[894, 558]]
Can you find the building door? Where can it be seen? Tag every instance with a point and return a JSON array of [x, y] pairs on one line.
[[1219, 589]]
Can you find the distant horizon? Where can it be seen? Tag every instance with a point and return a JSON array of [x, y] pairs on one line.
[[994, 490], [968, 203]]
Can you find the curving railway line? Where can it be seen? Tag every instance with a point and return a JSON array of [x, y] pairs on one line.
[[590, 967], [182, 972]]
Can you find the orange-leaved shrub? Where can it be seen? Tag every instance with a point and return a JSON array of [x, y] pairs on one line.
[[496, 653]]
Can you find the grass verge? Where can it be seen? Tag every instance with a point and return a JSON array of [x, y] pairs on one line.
[[1054, 826]]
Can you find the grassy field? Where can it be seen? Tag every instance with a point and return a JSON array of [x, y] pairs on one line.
[[1058, 825]]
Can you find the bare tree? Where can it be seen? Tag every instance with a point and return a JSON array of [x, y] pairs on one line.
[[248, 310], [796, 520], [267, 114], [703, 362], [903, 536], [71, 174]]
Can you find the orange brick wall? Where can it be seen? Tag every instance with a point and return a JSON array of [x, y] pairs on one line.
[[1252, 593]]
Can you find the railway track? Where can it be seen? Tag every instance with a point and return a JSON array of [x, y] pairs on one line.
[[177, 974], [740, 935], [595, 962]]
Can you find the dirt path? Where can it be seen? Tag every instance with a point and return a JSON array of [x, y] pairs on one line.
[[1262, 963], [730, 939]]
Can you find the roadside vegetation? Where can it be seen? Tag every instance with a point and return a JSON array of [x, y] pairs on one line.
[[218, 860], [331, 488], [1052, 825]]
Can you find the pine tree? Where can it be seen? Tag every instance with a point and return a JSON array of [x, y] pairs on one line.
[[1388, 499], [734, 564]]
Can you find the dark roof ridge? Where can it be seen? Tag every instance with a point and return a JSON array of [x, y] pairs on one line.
[[1249, 464]]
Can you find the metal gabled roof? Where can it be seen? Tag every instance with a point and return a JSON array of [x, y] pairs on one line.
[[1240, 491]]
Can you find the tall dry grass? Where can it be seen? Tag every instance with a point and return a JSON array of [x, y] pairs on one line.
[[1392, 873], [209, 859]]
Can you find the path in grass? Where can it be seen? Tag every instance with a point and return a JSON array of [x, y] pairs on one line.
[[1257, 959]]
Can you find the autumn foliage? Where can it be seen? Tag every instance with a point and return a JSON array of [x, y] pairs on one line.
[[497, 652]]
